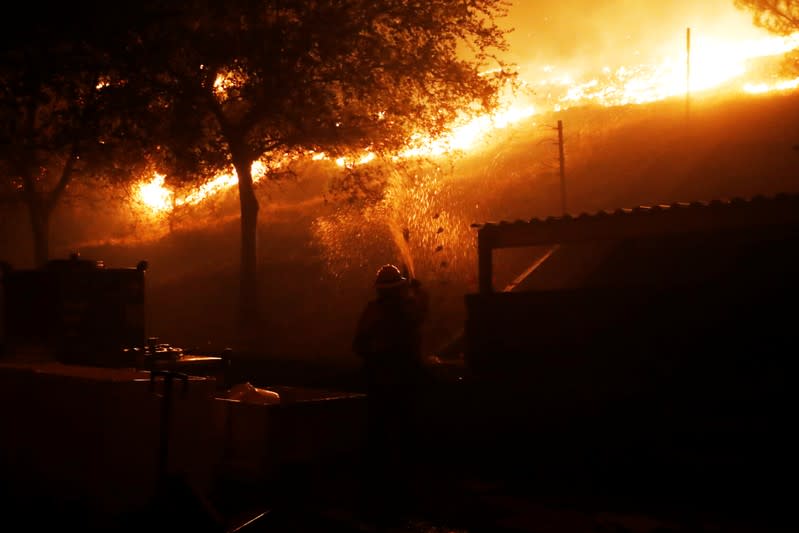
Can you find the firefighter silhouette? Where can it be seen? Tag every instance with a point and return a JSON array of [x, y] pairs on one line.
[[388, 340]]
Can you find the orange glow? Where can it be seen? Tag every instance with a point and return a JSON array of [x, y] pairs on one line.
[[158, 198], [154, 194], [714, 63], [717, 63], [782, 85], [468, 135], [227, 80], [416, 220]]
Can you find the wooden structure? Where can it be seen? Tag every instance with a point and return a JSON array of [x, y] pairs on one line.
[[669, 326], [636, 223]]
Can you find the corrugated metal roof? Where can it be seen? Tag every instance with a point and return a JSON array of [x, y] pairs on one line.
[[722, 203], [643, 220]]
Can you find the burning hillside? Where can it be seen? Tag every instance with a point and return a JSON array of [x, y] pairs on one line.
[[721, 54], [693, 53]]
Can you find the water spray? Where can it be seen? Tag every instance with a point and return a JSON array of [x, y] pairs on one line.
[[402, 242]]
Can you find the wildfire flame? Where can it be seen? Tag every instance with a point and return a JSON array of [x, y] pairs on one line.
[[154, 195], [158, 198], [714, 63]]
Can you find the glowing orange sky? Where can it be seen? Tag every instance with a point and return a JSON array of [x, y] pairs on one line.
[[587, 33]]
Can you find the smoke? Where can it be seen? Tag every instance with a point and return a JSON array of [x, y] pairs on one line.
[[581, 34]]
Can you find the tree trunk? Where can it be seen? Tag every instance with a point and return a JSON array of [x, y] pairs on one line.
[[248, 312], [40, 224], [41, 205]]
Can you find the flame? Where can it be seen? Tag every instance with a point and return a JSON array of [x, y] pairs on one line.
[[343, 162], [158, 198], [715, 63], [226, 80], [468, 134], [154, 194], [782, 85]]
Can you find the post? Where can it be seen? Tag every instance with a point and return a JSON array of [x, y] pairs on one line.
[[687, 73], [562, 168], [485, 268]]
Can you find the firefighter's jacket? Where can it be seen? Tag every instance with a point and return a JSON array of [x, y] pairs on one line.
[[389, 338]]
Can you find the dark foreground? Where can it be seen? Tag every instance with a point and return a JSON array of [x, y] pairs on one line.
[[448, 494], [479, 464], [476, 464], [457, 498]]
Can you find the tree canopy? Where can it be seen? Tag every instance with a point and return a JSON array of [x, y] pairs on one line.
[[244, 80], [777, 16], [60, 119]]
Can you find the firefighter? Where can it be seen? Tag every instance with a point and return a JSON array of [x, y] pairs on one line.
[[388, 337], [388, 340]]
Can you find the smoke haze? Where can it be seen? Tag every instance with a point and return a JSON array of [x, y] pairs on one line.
[[579, 34]]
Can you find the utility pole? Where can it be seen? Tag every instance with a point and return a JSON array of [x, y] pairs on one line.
[[687, 73], [562, 168]]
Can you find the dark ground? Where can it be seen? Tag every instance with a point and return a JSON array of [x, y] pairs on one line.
[[466, 472]]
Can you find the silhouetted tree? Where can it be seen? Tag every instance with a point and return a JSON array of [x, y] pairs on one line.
[[780, 17], [777, 16], [60, 120], [244, 80]]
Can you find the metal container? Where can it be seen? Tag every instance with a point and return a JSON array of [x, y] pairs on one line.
[[76, 311]]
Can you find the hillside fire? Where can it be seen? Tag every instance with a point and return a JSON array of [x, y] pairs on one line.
[[412, 266], [724, 65]]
